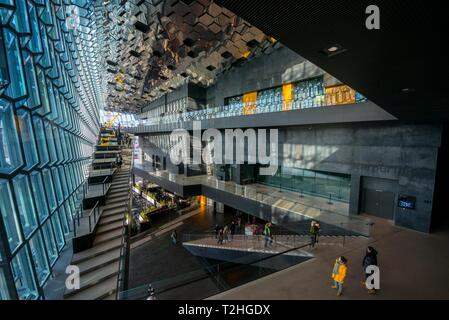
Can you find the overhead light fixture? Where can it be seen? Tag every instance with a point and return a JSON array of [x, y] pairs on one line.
[[334, 50], [408, 90]]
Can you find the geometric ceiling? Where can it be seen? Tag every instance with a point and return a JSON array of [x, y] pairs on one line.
[[151, 47]]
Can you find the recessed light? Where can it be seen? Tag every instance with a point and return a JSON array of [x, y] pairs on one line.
[[408, 90], [333, 50]]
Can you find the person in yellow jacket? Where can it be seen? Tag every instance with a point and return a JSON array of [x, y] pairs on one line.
[[339, 274]]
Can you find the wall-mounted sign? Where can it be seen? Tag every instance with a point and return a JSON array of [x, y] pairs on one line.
[[406, 202]]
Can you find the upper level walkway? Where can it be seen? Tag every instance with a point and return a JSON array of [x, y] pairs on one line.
[[286, 208], [221, 118]]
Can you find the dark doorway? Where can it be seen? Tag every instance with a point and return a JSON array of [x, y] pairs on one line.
[[378, 197], [378, 203]]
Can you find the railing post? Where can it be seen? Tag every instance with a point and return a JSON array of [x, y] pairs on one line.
[[90, 224], [74, 229]]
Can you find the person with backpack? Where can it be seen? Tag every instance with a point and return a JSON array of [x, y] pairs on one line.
[[370, 259], [339, 274]]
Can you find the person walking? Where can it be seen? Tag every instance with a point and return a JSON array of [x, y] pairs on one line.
[[226, 234], [232, 228], [220, 237], [151, 295], [339, 274], [174, 237], [217, 230], [370, 259], [314, 231], [267, 234]]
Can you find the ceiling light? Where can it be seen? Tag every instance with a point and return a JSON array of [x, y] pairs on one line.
[[333, 50]]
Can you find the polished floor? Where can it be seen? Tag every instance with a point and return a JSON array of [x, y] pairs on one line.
[[412, 265]]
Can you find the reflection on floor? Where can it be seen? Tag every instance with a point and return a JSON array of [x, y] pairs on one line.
[[412, 266]]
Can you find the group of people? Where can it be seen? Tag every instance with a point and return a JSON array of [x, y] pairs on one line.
[[340, 269], [226, 233]]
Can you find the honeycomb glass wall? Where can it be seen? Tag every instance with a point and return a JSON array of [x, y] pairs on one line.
[[50, 96]]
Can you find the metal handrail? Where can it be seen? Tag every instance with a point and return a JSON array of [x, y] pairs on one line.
[[125, 244]]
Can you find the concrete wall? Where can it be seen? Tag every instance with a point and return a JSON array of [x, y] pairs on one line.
[[404, 153], [281, 66]]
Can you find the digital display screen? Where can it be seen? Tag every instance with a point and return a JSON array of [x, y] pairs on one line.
[[407, 202]]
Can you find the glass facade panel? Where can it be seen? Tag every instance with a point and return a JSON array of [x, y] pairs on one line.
[[23, 275], [41, 141], [50, 190], [50, 242], [39, 195], [28, 141], [10, 219], [4, 294], [49, 121], [10, 154], [17, 85], [39, 255], [57, 228], [25, 204]]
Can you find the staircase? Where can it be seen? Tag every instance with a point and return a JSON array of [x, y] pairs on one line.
[[99, 265]]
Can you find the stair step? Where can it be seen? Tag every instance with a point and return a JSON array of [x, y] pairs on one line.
[[109, 227], [118, 193], [99, 261], [103, 238], [111, 207], [96, 251], [110, 297], [113, 211], [101, 290], [95, 278], [111, 219], [121, 199]]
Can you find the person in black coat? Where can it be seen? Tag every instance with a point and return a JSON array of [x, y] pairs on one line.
[[370, 259]]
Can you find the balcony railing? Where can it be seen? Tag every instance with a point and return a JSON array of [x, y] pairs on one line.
[[234, 110]]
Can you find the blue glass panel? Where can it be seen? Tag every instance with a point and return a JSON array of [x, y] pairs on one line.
[[17, 85], [50, 190], [57, 228], [58, 144], [39, 195], [20, 22], [45, 101], [4, 295], [4, 78], [35, 44], [9, 214], [34, 99], [63, 181], [51, 142], [23, 275], [58, 187], [41, 141], [25, 204], [50, 242], [64, 222], [38, 253], [44, 60], [10, 155], [28, 140]]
